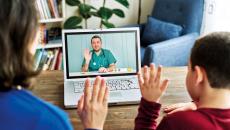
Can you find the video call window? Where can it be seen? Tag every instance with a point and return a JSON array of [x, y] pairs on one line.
[[101, 53]]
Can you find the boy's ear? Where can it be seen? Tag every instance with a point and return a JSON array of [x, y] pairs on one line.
[[199, 73]]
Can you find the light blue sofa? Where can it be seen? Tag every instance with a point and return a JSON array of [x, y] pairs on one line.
[[174, 52]]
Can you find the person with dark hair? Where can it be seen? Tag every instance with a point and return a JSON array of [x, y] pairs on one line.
[[19, 108], [98, 59], [207, 82]]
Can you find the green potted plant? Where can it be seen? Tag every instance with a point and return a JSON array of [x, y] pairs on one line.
[[86, 11]]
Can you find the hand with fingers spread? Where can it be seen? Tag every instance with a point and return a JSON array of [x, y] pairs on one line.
[[93, 106], [150, 83], [180, 107], [87, 55]]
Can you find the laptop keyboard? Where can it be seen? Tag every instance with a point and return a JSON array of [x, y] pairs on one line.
[[113, 84]]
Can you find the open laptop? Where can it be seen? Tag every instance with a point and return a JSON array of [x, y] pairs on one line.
[[120, 44]]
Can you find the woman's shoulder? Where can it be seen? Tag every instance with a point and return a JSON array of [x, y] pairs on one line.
[[31, 108]]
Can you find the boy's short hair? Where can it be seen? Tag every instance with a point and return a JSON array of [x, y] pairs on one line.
[[212, 52], [95, 36]]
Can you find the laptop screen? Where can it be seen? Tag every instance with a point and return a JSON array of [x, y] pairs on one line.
[[106, 52]]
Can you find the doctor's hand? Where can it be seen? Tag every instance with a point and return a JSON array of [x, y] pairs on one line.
[[102, 70], [150, 83], [92, 107], [87, 55]]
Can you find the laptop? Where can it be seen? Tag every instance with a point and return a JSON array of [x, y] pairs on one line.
[[120, 50]]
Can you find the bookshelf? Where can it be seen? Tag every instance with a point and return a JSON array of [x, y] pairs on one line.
[[48, 55]]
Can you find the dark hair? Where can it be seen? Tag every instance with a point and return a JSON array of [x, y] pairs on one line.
[[212, 52], [95, 36], [18, 28]]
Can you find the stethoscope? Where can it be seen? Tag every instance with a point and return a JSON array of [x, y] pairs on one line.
[[94, 63]]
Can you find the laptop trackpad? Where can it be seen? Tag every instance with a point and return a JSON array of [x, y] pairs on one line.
[[115, 95]]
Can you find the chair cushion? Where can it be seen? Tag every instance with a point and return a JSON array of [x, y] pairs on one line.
[[157, 31]]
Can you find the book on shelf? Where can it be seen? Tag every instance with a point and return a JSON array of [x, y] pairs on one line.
[[49, 9], [59, 60], [38, 57], [48, 59], [52, 35], [53, 64], [43, 34], [42, 61], [40, 9]]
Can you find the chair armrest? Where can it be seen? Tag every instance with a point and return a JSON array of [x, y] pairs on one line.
[[173, 52]]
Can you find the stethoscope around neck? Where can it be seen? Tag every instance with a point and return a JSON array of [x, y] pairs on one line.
[[94, 63]]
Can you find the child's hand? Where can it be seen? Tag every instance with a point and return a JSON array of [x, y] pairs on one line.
[[93, 108], [180, 107], [150, 84]]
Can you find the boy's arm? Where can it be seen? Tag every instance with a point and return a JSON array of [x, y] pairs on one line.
[[180, 107], [151, 88], [147, 115]]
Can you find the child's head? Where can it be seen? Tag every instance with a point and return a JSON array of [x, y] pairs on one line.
[[18, 28], [209, 64], [212, 53]]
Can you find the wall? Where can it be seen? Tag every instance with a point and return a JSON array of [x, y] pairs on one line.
[[131, 14], [216, 16]]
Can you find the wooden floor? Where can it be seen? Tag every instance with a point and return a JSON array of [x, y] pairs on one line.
[[49, 86]]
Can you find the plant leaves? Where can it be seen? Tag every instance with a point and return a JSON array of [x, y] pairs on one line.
[[84, 10], [108, 24], [94, 14], [93, 7], [73, 2], [123, 2], [79, 27], [119, 13], [105, 13], [72, 22]]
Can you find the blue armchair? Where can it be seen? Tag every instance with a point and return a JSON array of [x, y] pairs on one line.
[[188, 14]]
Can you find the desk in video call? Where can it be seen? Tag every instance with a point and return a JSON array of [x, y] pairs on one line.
[[49, 86], [117, 71]]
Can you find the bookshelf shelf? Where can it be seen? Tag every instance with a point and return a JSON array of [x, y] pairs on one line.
[[51, 44], [53, 20]]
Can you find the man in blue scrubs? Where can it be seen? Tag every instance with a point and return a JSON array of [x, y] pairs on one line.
[[98, 59]]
